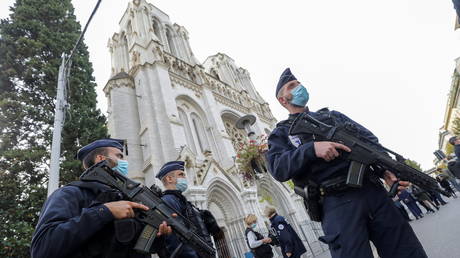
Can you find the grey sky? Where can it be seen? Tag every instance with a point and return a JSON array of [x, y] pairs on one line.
[[386, 64]]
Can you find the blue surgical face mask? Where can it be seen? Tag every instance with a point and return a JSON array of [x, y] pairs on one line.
[[122, 167], [253, 225], [181, 184], [300, 96]]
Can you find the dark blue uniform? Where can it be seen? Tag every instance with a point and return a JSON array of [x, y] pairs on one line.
[[354, 216], [73, 224], [171, 241], [290, 242]]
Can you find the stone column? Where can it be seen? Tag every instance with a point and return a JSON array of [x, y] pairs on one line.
[[124, 118], [157, 104]]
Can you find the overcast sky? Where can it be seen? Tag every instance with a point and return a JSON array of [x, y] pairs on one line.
[[386, 64]]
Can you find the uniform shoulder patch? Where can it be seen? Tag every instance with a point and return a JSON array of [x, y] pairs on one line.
[[295, 140], [325, 109], [280, 226]]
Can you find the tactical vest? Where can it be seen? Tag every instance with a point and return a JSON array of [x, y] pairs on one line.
[[264, 250], [194, 215], [117, 238]]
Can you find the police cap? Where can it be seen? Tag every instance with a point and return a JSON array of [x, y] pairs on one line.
[[116, 143], [170, 166], [286, 77]]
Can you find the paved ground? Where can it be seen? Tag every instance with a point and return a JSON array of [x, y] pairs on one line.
[[438, 232]]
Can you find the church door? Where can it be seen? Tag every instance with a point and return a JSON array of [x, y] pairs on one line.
[[221, 245]]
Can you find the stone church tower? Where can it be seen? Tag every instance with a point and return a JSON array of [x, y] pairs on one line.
[[169, 106]]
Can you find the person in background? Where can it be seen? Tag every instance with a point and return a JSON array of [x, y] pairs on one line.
[[411, 203], [401, 208], [290, 243], [424, 199], [436, 198], [258, 244], [444, 182]]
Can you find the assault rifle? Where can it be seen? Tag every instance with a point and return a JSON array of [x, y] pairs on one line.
[[363, 153], [158, 212]]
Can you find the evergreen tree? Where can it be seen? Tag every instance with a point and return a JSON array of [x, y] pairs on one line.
[[32, 40]]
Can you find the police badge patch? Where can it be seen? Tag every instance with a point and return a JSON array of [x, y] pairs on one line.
[[295, 140], [280, 226]]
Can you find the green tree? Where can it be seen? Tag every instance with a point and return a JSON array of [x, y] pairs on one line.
[[32, 40], [413, 164], [456, 126]]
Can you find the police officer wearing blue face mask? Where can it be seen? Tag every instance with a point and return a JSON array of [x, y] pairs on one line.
[[350, 217], [174, 180], [81, 218]]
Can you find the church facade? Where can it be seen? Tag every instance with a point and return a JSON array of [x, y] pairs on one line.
[[168, 106]]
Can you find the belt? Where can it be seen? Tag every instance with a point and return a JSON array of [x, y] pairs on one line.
[[334, 185], [339, 184]]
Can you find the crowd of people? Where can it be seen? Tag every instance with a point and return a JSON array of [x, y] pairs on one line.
[[413, 198]]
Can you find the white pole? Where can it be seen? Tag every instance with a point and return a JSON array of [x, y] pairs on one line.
[[53, 182]]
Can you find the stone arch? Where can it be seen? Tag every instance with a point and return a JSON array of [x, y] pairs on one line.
[[157, 29], [237, 136], [224, 197], [170, 39], [187, 129], [125, 52], [189, 107], [281, 199]]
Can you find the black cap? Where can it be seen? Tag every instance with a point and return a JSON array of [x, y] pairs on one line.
[[286, 77], [170, 166], [116, 143]]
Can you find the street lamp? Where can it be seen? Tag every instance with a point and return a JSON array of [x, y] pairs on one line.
[[245, 123]]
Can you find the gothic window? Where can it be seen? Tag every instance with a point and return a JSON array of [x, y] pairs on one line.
[[156, 29], [172, 48], [188, 133], [125, 54], [130, 28], [200, 133], [237, 136]]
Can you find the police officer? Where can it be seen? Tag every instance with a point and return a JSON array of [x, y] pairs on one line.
[[290, 243], [350, 216], [174, 179], [77, 220]]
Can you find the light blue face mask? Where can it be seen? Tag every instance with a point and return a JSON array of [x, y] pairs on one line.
[[300, 96], [122, 167], [253, 225], [182, 184]]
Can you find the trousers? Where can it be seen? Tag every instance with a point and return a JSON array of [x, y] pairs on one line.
[[354, 217]]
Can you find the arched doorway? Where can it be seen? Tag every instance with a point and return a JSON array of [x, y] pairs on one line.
[[224, 203]]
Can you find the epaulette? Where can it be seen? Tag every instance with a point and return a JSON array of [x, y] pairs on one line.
[[286, 122], [323, 110]]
